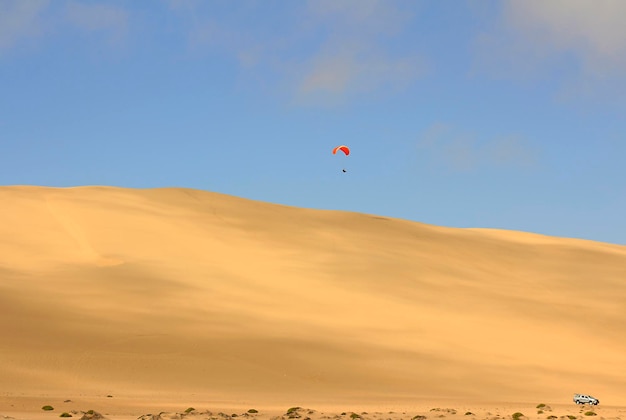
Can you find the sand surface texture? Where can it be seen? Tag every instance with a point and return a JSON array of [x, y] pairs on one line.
[[185, 297]]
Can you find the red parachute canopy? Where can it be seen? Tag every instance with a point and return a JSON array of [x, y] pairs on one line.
[[343, 148]]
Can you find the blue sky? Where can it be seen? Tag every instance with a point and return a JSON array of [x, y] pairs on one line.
[[469, 113]]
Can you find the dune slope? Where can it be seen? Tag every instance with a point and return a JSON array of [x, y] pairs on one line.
[[171, 291]]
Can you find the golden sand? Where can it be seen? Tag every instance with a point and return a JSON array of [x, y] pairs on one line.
[[176, 297]]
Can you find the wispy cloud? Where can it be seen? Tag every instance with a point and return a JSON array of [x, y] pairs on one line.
[[593, 30], [347, 69], [19, 19], [332, 50], [364, 16], [98, 17], [352, 58], [23, 19], [582, 41], [463, 151]]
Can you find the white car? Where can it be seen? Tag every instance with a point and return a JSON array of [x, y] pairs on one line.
[[585, 399]]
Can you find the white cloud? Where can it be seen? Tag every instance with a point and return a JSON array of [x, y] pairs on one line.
[[588, 33], [22, 19], [320, 51], [510, 150], [19, 19], [580, 42], [352, 58], [359, 16], [463, 151], [331, 73], [593, 29], [350, 70]]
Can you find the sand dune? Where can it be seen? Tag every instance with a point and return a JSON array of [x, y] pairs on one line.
[[178, 294]]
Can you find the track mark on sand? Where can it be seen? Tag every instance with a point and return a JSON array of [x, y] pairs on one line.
[[77, 234]]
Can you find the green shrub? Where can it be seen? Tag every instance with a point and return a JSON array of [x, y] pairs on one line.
[[66, 414], [539, 411], [47, 408], [571, 417], [292, 409], [552, 417], [517, 415], [541, 405], [590, 413], [189, 410], [253, 411], [355, 416], [469, 413]]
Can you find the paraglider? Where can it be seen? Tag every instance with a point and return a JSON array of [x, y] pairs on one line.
[[343, 148]]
